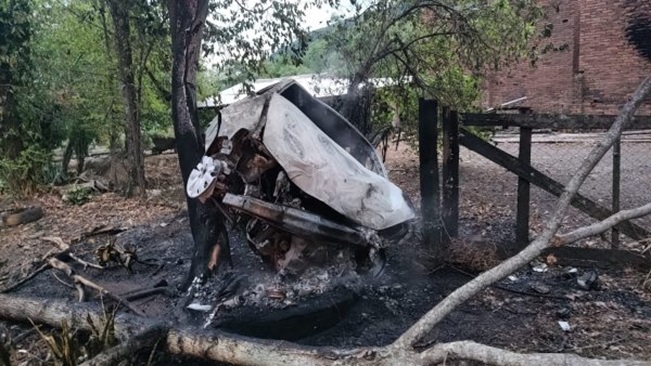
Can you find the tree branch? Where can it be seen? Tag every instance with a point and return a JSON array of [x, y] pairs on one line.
[[418, 5], [238, 350], [600, 227], [252, 12], [164, 93], [403, 46], [16, 285], [81, 281], [468, 350]]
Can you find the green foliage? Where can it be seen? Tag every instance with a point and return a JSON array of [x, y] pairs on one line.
[[69, 70], [208, 83], [77, 67], [22, 175], [58, 65], [16, 30], [102, 335], [15, 66], [282, 67], [316, 58], [151, 44], [243, 35], [436, 48], [248, 40], [77, 195], [319, 57]]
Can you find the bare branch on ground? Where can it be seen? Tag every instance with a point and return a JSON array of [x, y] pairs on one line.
[[84, 282], [238, 350], [18, 284], [607, 224]]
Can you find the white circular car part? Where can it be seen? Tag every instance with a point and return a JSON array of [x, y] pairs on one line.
[[203, 177]]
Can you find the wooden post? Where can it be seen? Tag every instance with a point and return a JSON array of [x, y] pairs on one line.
[[522, 224], [617, 160], [429, 178], [450, 173]]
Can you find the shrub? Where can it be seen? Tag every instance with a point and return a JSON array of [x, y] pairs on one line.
[[78, 195], [22, 176]]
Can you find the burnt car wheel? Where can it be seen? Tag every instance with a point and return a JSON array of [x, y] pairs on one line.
[[371, 261]]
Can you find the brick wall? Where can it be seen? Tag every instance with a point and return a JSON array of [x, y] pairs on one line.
[[602, 65]]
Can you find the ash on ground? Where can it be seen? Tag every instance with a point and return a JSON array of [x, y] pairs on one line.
[[267, 291]]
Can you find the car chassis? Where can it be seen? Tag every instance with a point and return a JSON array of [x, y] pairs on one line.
[[301, 181]]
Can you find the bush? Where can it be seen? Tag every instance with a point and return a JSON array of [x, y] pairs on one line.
[[22, 176], [78, 195]]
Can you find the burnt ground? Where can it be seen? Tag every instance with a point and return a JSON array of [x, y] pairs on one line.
[[611, 320]]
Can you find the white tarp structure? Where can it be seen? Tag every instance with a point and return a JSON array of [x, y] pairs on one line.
[[325, 171]]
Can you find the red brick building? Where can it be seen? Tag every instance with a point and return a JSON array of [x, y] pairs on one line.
[[608, 54]]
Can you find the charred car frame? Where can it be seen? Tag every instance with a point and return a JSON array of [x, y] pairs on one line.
[[302, 182]]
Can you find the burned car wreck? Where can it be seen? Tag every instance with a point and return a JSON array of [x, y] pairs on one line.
[[303, 183]]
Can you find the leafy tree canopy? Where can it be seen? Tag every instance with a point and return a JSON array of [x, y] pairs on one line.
[[436, 48]]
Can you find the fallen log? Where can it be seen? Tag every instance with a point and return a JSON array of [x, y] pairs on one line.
[[21, 216], [239, 350]]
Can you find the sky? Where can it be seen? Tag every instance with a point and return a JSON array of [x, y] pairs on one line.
[[316, 18]]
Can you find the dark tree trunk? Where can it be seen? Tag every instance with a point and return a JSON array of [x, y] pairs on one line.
[[10, 143], [110, 82], [187, 21], [81, 161], [135, 158], [356, 105], [65, 162], [351, 100]]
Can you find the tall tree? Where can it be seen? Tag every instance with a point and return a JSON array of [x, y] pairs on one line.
[[120, 10], [65, 86], [436, 47], [24, 149], [75, 77], [187, 19], [15, 61], [243, 36]]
